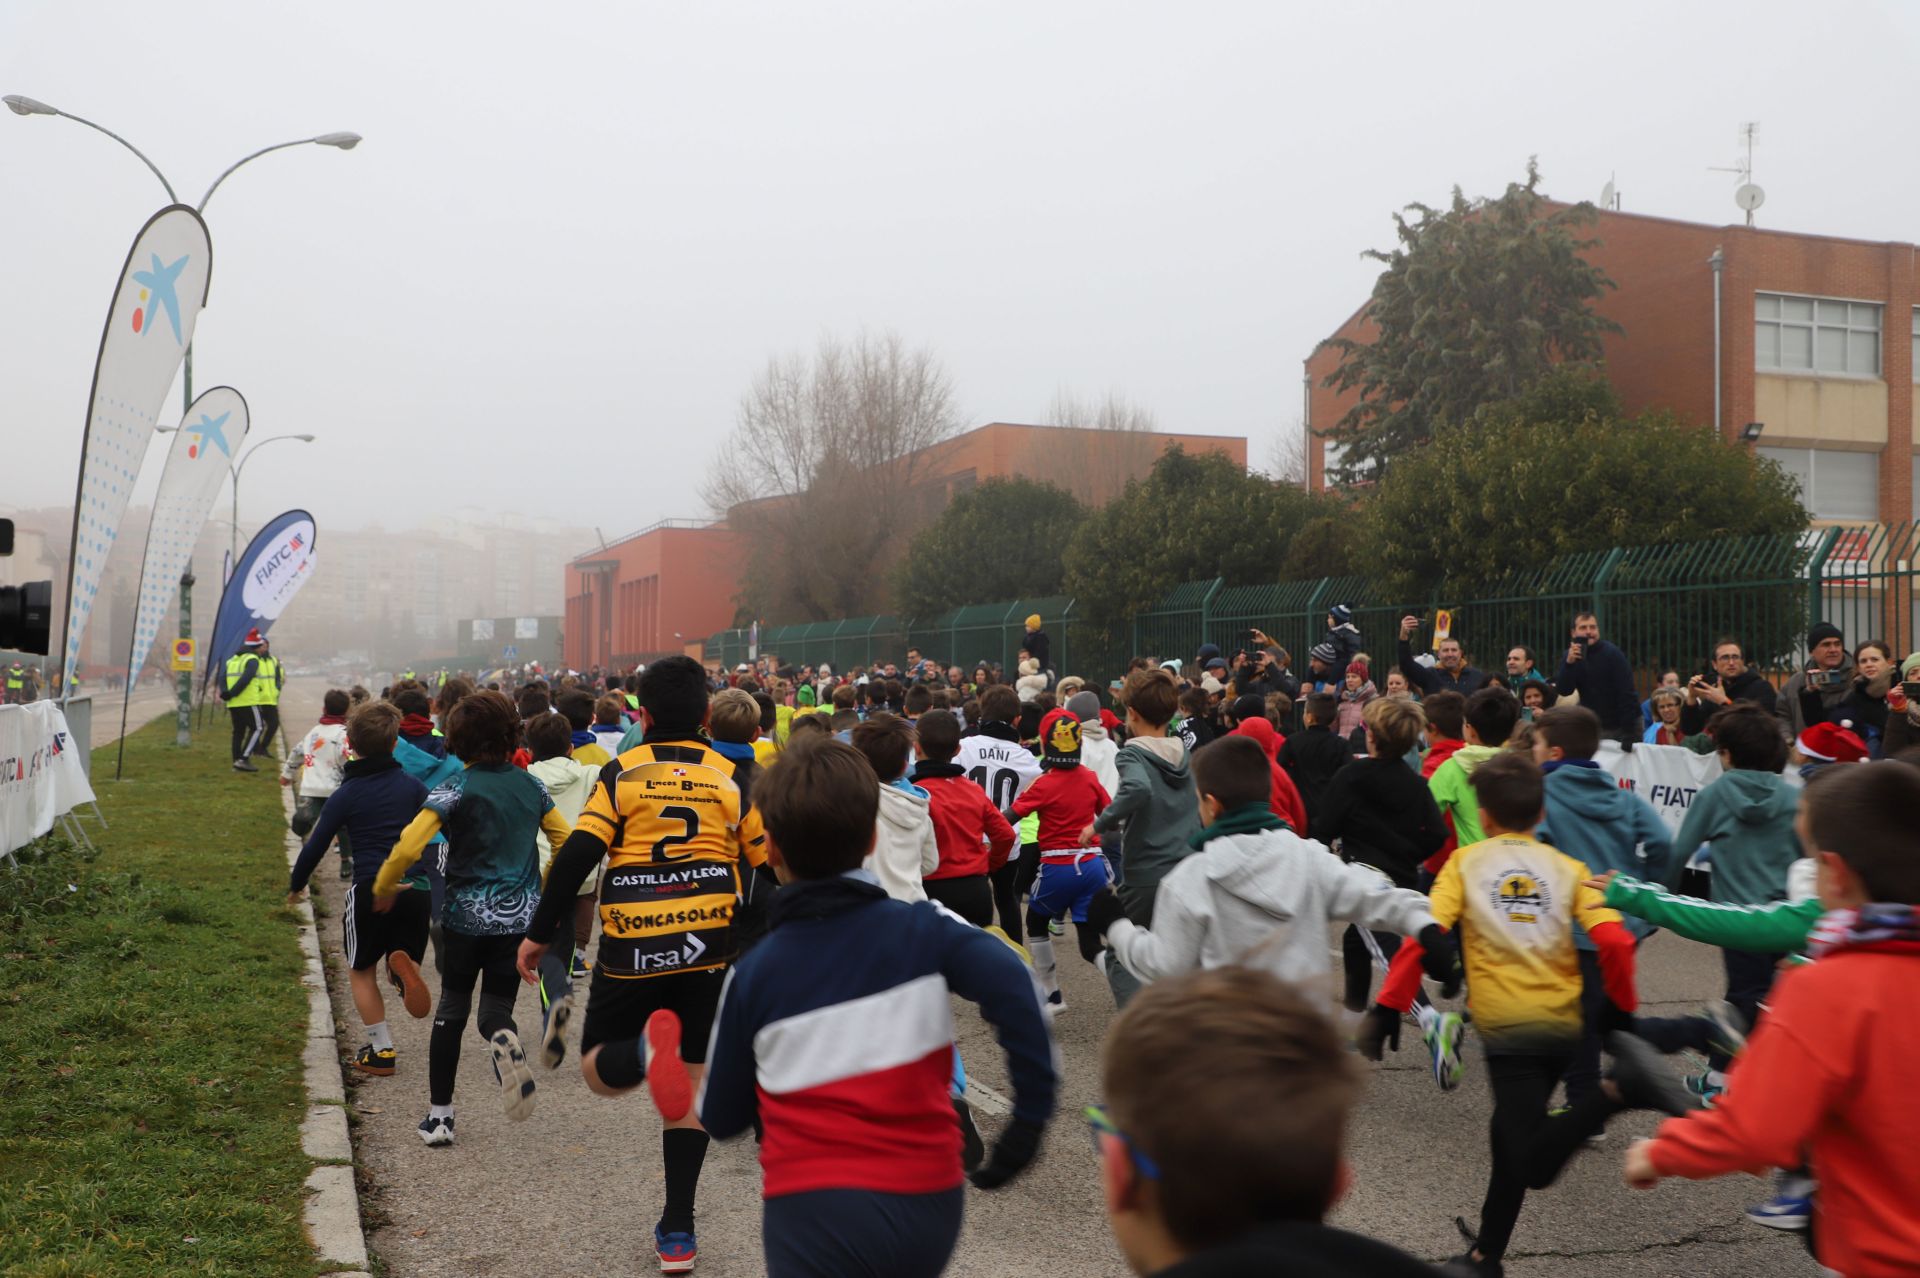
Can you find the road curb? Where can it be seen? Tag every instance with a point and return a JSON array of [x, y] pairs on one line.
[[333, 1201]]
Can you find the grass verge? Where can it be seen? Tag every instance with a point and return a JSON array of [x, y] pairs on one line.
[[151, 1030]]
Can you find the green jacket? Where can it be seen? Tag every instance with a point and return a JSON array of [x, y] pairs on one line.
[[1453, 792], [1155, 809], [1778, 928], [1748, 818]]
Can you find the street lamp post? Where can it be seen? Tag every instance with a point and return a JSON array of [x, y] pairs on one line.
[[20, 104]]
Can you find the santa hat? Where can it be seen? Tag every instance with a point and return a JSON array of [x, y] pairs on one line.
[[1060, 740], [254, 639], [1831, 743]]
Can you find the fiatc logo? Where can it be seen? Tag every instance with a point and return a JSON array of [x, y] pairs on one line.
[[1521, 897]]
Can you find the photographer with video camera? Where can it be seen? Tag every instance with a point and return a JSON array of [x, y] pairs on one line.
[[26, 623], [1828, 676]]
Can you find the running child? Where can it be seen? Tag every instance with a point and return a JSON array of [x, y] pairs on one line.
[[319, 757], [669, 820], [835, 1037], [372, 805], [490, 813], [1068, 799], [1514, 902]]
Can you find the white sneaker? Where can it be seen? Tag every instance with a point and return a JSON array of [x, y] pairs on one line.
[[516, 1079]]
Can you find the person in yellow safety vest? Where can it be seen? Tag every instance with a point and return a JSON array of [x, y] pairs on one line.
[[19, 684], [251, 685]]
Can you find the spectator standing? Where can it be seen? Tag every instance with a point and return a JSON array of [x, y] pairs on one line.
[[1603, 677]]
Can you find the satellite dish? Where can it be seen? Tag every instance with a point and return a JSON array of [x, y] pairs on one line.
[[1749, 197], [1606, 195]]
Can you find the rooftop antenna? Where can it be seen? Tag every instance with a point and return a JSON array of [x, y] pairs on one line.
[[1747, 195]]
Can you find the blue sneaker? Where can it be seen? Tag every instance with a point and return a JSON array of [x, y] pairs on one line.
[[1783, 1211], [677, 1251]]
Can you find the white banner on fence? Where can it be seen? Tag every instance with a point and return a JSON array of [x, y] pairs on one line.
[[1667, 777], [40, 775]]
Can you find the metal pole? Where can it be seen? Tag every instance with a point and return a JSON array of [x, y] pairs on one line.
[[183, 720]]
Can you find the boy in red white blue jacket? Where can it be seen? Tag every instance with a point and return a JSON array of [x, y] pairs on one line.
[[836, 1035]]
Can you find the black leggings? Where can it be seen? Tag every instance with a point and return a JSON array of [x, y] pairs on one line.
[[1011, 882], [968, 895], [1529, 1147], [488, 959]]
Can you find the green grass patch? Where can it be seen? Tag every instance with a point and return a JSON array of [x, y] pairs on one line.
[[151, 1030]]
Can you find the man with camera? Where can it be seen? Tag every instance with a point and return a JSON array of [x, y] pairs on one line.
[[1828, 673], [1603, 677], [1726, 679]]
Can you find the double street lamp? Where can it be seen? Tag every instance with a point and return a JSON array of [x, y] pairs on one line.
[[20, 104]]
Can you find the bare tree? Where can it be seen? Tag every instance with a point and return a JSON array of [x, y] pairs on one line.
[[826, 472], [1288, 461], [1094, 467]]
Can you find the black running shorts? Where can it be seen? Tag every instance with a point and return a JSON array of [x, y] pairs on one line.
[[618, 1008], [370, 935]]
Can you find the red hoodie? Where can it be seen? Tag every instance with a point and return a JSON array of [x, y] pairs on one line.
[[1439, 750], [1287, 803], [1828, 1074], [973, 837]]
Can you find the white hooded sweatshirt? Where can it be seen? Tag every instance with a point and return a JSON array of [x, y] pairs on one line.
[[1266, 900], [904, 848]]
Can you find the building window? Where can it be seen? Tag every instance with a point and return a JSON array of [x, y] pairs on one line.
[[1816, 335], [1833, 485]]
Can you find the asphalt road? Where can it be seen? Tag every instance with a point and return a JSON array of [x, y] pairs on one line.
[[575, 1190]]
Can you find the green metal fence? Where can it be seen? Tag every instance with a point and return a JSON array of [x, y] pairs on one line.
[[1665, 605]]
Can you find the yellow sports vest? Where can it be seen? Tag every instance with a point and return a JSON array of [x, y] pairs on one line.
[[264, 690]]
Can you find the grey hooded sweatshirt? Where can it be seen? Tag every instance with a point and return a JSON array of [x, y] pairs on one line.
[[1156, 809], [1265, 900]]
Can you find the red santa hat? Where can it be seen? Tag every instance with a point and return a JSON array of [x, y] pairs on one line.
[[1832, 743]]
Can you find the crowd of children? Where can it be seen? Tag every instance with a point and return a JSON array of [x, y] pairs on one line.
[[789, 876]]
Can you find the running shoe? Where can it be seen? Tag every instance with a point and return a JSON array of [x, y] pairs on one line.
[[515, 1079], [1703, 1086], [378, 1061], [553, 1028], [1730, 1026], [579, 969], [1783, 1211], [676, 1250], [405, 974], [668, 1083], [1643, 1078], [1443, 1040], [972, 1148], [437, 1131]]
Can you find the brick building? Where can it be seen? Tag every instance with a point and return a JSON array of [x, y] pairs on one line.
[[666, 588], [1816, 340]]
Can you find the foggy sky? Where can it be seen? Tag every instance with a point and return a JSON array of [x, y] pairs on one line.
[[575, 231]]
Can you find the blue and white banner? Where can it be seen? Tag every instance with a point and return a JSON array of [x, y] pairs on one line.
[[202, 455], [270, 571], [162, 287]]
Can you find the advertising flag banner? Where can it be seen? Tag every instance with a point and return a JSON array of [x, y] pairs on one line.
[[203, 450], [269, 573], [162, 287]]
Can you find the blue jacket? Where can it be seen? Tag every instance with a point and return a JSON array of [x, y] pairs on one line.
[[1594, 821], [836, 1032], [374, 804]]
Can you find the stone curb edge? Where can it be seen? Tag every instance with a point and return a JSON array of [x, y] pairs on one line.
[[333, 1200]]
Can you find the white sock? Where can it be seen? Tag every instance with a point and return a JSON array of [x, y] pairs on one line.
[[1043, 963], [439, 1111], [380, 1036]]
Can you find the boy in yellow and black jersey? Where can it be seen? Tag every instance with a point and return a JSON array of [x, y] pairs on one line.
[[671, 821]]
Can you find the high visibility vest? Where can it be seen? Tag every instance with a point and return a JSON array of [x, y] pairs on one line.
[[264, 690]]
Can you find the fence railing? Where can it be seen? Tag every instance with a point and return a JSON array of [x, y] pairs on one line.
[[1665, 605]]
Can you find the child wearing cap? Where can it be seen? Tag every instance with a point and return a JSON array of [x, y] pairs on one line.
[[1068, 798]]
